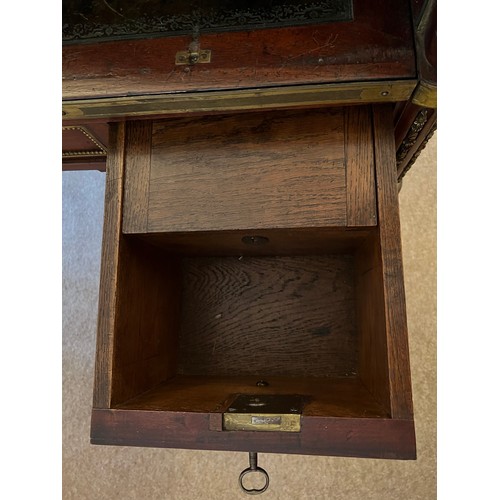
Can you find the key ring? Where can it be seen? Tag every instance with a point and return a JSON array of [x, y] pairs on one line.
[[253, 468]]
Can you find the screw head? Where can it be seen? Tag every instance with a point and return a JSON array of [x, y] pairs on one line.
[[385, 93], [254, 240]]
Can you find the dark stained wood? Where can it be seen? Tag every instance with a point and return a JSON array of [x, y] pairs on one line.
[[79, 140], [296, 241], [430, 41], [89, 164], [110, 256], [368, 50], [74, 138], [147, 323], [417, 6], [349, 437], [84, 146], [78, 150], [373, 367], [344, 397], [392, 264], [426, 41], [137, 168], [254, 171], [377, 44], [360, 173], [262, 316]]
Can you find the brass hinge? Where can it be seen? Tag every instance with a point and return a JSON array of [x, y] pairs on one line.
[[264, 412]]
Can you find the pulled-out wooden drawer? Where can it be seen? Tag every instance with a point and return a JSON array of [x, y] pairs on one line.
[[254, 257]]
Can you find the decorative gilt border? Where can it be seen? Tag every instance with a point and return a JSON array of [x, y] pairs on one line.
[[79, 154], [418, 151], [411, 137], [205, 20]]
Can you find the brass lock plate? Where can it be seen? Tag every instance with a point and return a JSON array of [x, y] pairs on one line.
[[264, 412], [183, 57]]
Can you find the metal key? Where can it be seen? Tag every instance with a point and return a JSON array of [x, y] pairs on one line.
[[253, 468]]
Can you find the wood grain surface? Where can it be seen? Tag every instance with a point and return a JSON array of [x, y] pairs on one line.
[[248, 171], [181, 330], [345, 397], [373, 367], [137, 168], [289, 316], [108, 308], [392, 264], [296, 241], [346, 437], [139, 301], [147, 324], [360, 172]]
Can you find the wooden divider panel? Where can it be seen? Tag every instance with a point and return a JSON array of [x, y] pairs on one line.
[[290, 169]]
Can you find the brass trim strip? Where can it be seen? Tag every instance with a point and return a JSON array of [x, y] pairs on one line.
[[79, 154], [425, 95], [238, 99]]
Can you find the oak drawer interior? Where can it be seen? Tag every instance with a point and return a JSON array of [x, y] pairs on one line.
[[206, 316], [206, 291]]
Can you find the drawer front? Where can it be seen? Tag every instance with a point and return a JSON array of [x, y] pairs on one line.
[[250, 171]]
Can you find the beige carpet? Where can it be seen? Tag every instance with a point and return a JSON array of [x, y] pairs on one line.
[[102, 472]]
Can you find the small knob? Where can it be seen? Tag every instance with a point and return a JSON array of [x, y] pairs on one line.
[[193, 57]]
